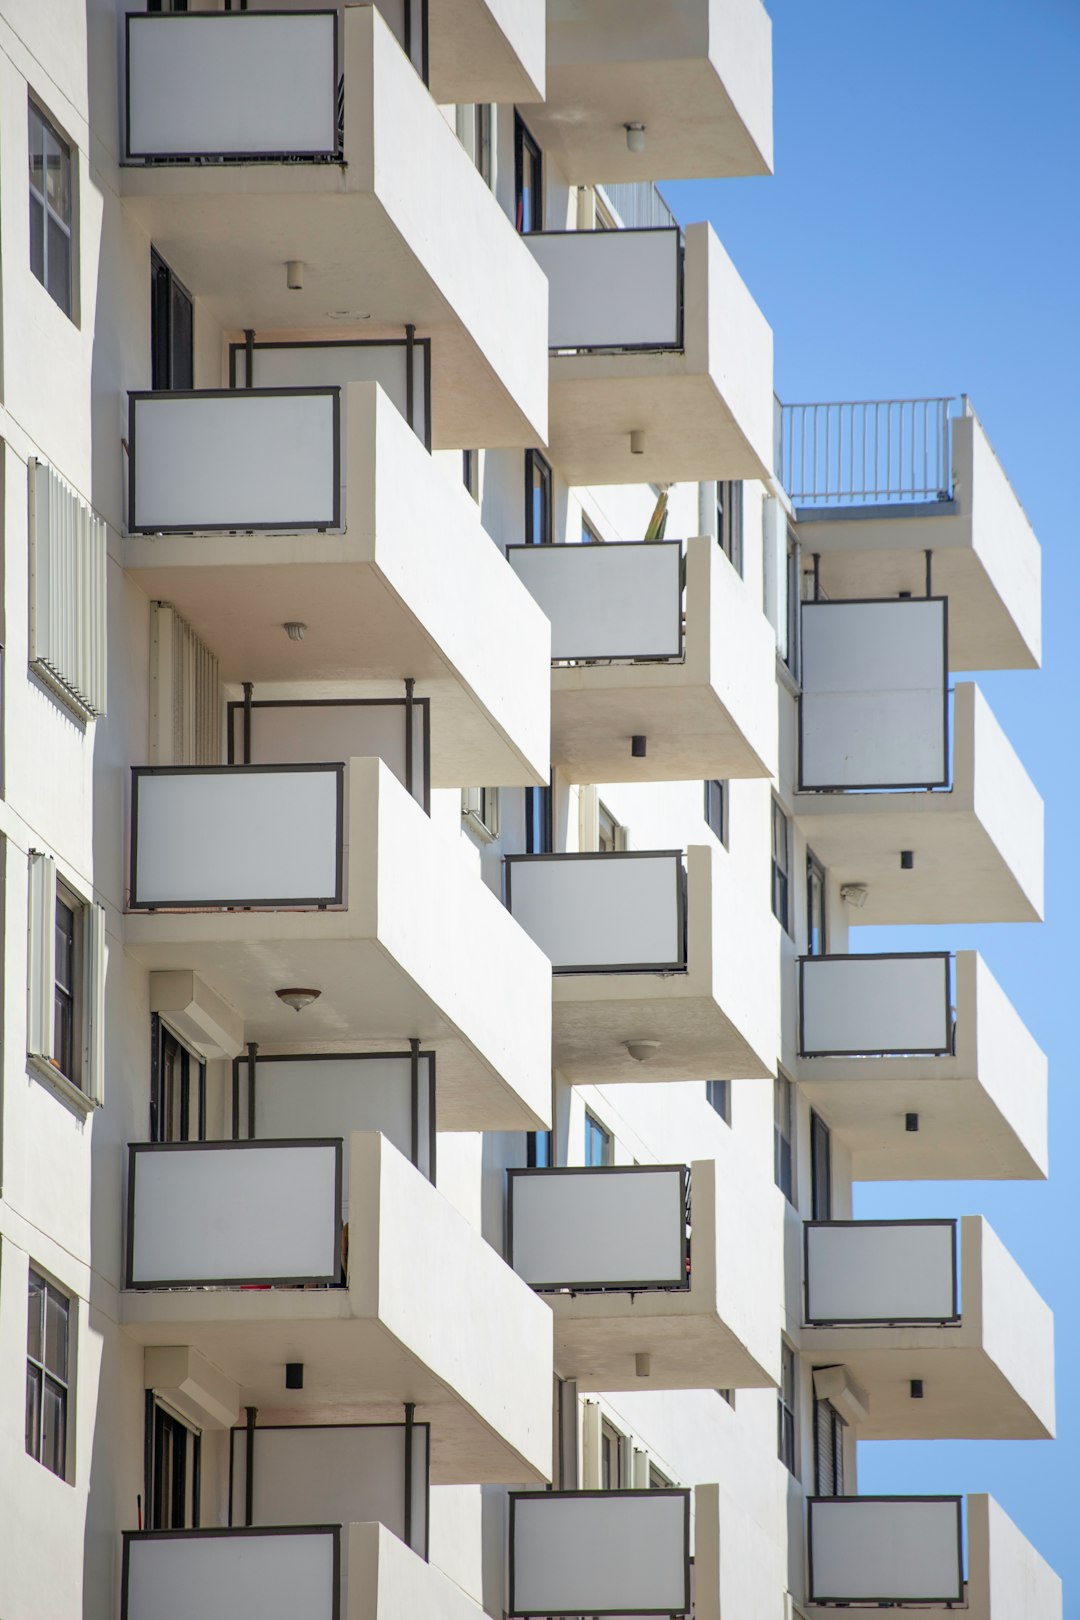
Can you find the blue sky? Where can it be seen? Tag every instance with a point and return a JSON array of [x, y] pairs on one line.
[[921, 236]]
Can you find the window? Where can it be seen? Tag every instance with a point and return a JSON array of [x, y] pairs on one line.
[[538, 821], [470, 472], [538, 1153], [785, 1409], [718, 1095], [781, 866], [729, 521], [716, 809], [537, 500], [173, 1473], [611, 834], [589, 535], [48, 1327], [172, 328], [50, 208], [66, 959], [727, 1395], [480, 812], [815, 906], [657, 1480], [597, 1142], [784, 1137], [473, 120], [828, 1450], [611, 1456], [177, 1088], [528, 180], [820, 1169]]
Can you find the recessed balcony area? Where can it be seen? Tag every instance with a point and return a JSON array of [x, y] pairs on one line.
[[698, 78], [908, 1552], [928, 815], [660, 640], [894, 495], [292, 502], [262, 876], [645, 1289], [239, 158], [648, 981], [599, 1552], [944, 1336], [661, 362], [340, 1254], [922, 1067]]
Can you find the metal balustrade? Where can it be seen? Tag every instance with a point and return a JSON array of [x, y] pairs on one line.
[[610, 913], [865, 452], [875, 1006], [596, 1229], [620, 601], [624, 1552], [881, 1273], [885, 1550]]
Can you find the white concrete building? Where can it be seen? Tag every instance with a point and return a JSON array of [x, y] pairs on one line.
[[436, 1053]]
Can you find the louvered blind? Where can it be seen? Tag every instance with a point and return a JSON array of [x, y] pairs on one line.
[[67, 591], [185, 693]]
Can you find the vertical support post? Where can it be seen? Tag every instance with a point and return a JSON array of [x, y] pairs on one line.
[[236, 1099], [410, 1418], [249, 357], [249, 1466], [410, 346], [929, 573], [817, 576], [252, 1053]]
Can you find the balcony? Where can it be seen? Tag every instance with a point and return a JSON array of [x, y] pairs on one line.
[[885, 1037], [354, 1571], [637, 1304], [225, 1239], [878, 485], [437, 956], [699, 79], [413, 587], [661, 362], [235, 164], [599, 1552], [874, 747], [628, 660], [892, 1302], [908, 1552], [641, 958]]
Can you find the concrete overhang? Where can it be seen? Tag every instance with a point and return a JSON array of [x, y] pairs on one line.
[[422, 948], [430, 1315]]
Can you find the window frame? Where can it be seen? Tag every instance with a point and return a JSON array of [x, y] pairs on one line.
[[613, 1445], [68, 998], [162, 326], [83, 1089], [787, 1405], [820, 1168], [538, 479], [185, 1485], [729, 520], [597, 1134], [48, 1375], [526, 147], [719, 1100], [833, 1485], [590, 534], [481, 811], [539, 821], [610, 832], [781, 874], [716, 808], [816, 880], [470, 472], [539, 1150], [161, 1039], [40, 200], [784, 1137]]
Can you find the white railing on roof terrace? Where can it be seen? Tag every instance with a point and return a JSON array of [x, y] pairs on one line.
[[637, 204], [865, 452]]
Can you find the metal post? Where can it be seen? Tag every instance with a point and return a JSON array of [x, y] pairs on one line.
[[409, 687], [414, 1069], [249, 357], [410, 351], [410, 1416], [252, 1052], [248, 690], [249, 1467], [929, 573]]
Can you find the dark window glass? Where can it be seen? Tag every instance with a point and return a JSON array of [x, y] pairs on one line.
[[718, 1094], [729, 521], [538, 531], [820, 1170], [781, 867], [177, 1088], [815, 906], [470, 471], [657, 1480], [597, 1142], [589, 535], [538, 1150], [173, 1470], [528, 180], [828, 1450], [48, 1321], [172, 328], [716, 808], [64, 991], [50, 208], [611, 1444], [538, 821], [784, 1138], [727, 1395], [785, 1409]]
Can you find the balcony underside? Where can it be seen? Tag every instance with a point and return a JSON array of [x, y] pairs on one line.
[[598, 1337], [239, 591], [594, 1015], [354, 1369], [596, 710]]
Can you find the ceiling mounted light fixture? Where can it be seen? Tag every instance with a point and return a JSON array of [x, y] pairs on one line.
[[642, 1051], [297, 999], [635, 137], [294, 275], [294, 629]]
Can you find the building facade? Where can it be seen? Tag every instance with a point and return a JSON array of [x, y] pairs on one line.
[[455, 722]]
